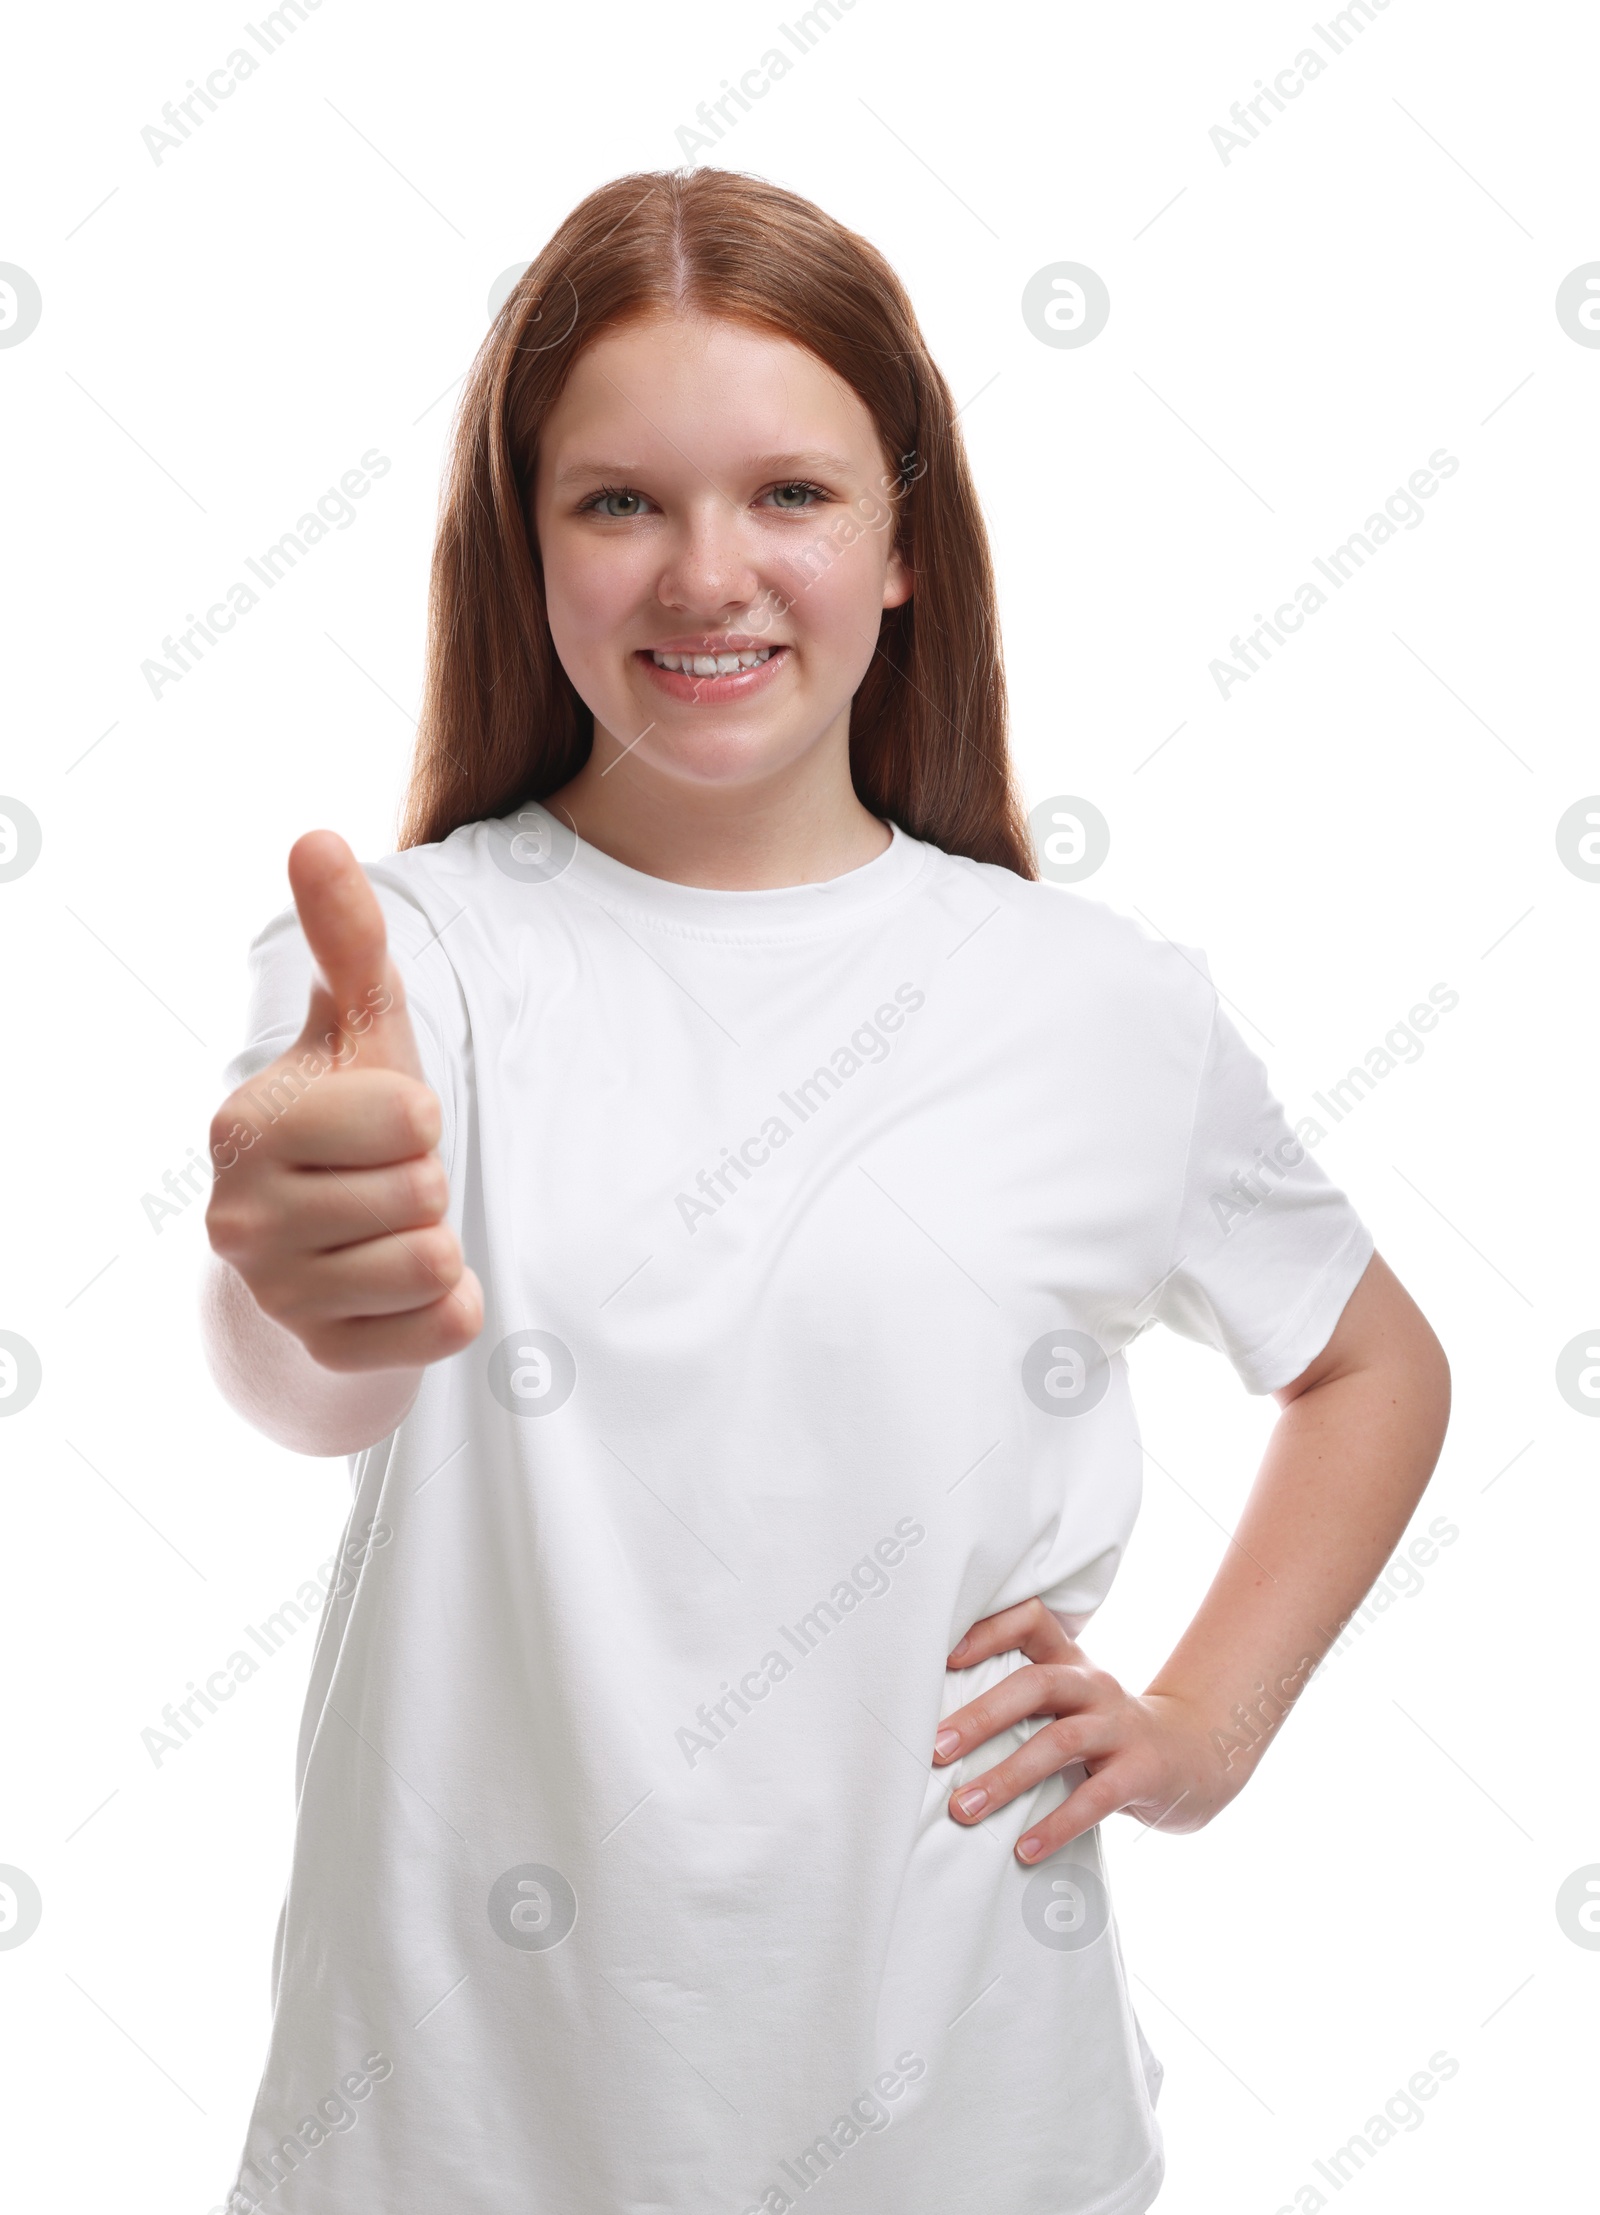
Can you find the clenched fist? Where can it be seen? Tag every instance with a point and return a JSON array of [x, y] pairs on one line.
[[329, 1196]]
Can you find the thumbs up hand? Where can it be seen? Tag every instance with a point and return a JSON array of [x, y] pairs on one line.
[[333, 1211]]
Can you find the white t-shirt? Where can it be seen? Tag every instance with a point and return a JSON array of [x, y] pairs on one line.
[[813, 1225]]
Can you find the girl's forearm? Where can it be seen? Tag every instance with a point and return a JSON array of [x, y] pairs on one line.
[[266, 1375], [1347, 1461]]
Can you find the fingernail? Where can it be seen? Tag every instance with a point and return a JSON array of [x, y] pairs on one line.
[[961, 1646], [970, 1802], [1028, 1848], [946, 1742]]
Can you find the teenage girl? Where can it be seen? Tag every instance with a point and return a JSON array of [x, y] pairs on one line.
[[707, 1187]]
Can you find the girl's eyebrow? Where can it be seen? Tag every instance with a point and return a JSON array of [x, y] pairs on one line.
[[798, 461], [626, 471]]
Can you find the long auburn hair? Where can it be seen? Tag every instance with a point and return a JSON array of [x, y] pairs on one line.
[[501, 722]]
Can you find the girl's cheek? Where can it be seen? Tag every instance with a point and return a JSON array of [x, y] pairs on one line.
[[840, 608]]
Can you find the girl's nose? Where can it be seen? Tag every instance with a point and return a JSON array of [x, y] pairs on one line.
[[708, 567]]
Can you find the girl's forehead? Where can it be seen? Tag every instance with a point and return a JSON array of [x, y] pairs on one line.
[[648, 366], [676, 405]]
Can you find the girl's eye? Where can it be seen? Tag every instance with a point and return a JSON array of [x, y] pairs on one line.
[[620, 505], [607, 493]]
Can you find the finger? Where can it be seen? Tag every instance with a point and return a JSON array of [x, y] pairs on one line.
[[344, 928], [378, 1276], [1049, 1750], [1050, 1688], [368, 1119], [409, 1341], [322, 1209], [1028, 1628], [1099, 1796]]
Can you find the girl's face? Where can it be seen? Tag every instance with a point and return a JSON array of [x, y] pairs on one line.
[[708, 493]]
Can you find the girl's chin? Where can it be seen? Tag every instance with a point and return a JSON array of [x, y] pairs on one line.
[[705, 760]]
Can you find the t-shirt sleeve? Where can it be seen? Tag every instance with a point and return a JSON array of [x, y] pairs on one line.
[[1268, 1248], [280, 976]]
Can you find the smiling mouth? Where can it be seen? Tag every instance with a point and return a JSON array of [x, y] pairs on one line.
[[712, 665], [713, 679]]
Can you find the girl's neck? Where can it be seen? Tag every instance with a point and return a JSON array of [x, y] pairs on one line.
[[802, 827]]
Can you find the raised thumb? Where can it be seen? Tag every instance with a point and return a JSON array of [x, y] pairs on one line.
[[362, 999]]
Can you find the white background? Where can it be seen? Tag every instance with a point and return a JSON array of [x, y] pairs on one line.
[[1291, 334]]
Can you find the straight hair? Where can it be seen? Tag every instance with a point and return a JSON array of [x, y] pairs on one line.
[[501, 722]]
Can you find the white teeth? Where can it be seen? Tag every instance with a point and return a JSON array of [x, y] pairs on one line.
[[712, 665]]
